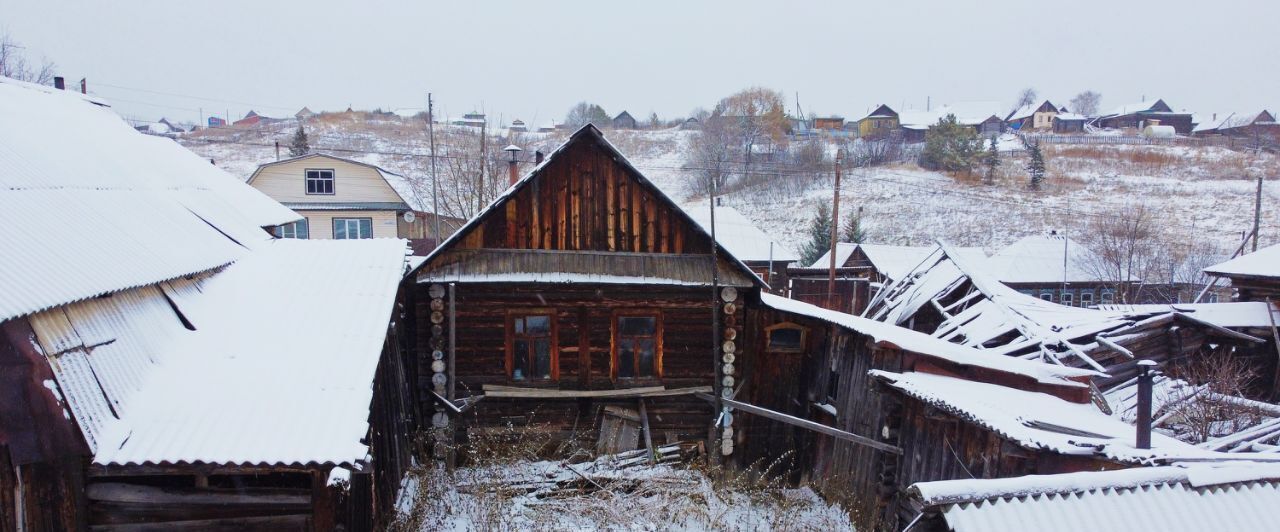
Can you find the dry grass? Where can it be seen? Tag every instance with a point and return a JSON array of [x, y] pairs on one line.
[[523, 478]]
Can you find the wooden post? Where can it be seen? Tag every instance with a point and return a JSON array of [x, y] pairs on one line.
[[1257, 213], [718, 372], [322, 501], [835, 232], [648, 436]]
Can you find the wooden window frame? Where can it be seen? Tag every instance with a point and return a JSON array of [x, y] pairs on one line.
[[510, 343], [658, 371], [333, 181], [768, 338]]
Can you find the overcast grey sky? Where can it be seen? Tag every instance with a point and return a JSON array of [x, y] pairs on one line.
[[533, 60]]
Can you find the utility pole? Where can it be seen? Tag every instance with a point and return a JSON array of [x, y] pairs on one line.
[[1257, 213], [717, 387], [435, 182], [483, 161], [835, 231]]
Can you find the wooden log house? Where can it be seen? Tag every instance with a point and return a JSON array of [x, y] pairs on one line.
[[580, 298]]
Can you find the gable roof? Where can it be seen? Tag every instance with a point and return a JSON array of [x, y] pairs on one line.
[[1261, 264], [623, 114], [883, 111], [587, 133], [1039, 259], [892, 261], [1030, 109], [156, 210], [1157, 106], [404, 187], [741, 237]]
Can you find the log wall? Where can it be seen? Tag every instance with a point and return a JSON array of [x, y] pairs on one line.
[[583, 344]]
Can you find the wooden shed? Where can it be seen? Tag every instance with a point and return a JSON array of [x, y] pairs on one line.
[[581, 294]]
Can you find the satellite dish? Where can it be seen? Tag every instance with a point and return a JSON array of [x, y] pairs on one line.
[[409, 216]]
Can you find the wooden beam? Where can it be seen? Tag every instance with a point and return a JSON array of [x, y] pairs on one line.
[[805, 424], [648, 437], [497, 391]]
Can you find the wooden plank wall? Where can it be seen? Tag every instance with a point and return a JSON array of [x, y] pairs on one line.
[[585, 200], [583, 338], [390, 424]]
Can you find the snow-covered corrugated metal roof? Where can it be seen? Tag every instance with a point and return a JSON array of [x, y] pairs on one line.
[[92, 206], [843, 251], [913, 341], [1264, 263], [1039, 259], [1036, 421], [741, 237], [277, 371], [891, 261], [1195, 498]]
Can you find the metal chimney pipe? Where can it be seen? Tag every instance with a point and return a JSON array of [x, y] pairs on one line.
[[1146, 376], [59, 83], [537, 157], [513, 174], [84, 86]]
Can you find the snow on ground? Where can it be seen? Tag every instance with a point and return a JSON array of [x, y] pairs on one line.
[[554, 495], [1202, 191]]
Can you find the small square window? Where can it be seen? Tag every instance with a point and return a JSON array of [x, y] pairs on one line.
[[1068, 299], [319, 181], [786, 337], [1108, 297], [1047, 296], [1086, 299]]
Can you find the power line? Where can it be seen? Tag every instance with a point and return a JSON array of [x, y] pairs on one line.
[[763, 169], [174, 94]]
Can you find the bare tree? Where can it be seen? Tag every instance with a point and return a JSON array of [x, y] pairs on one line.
[[459, 167], [13, 64], [1025, 98], [1086, 103], [1124, 250], [753, 117], [586, 113], [711, 157], [1210, 405]]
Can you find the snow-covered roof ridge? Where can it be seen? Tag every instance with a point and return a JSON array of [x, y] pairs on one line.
[[1036, 420], [740, 236], [1039, 259], [1263, 264], [1198, 475], [917, 342], [127, 210]]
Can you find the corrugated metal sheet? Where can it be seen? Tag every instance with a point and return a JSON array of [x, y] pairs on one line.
[[278, 371], [348, 206], [1165, 506], [91, 206]]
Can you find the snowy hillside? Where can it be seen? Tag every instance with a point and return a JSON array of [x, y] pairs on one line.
[[1197, 191]]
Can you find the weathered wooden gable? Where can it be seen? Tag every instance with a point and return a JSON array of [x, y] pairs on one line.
[[584, 211]]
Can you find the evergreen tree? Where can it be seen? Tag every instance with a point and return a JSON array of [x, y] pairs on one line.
[[1035, 168], [853, 231], [299, 146], [992, 161], [950, 147], [819, 236]]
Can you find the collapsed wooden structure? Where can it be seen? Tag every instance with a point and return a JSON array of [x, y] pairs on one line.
[[180, 368]]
